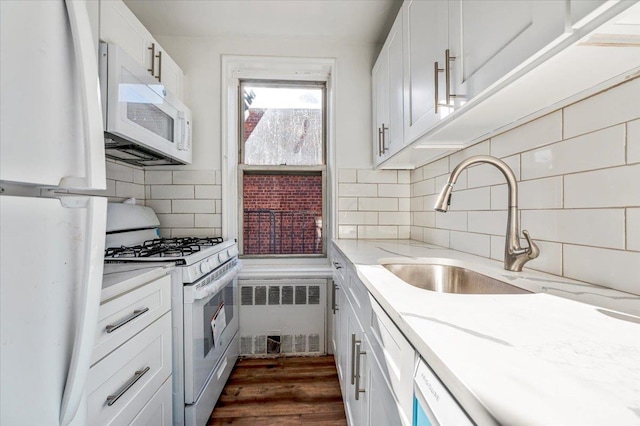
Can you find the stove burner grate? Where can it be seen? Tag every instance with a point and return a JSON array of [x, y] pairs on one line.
[[163, 247]]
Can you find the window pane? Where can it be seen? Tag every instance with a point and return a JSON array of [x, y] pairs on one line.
[[282, 214], [283, 125]]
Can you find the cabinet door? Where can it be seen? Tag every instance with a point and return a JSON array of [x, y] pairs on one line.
[[383, 408], [355, 396], [169, 74], [491, 38], [118, 25], [380, 97], [425, 41]]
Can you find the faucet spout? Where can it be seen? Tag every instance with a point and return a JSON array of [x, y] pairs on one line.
[[515, 256]]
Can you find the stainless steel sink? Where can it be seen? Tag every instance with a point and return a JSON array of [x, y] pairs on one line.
[[450, 279]]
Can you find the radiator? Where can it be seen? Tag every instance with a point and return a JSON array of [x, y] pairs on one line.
[[282, 317]]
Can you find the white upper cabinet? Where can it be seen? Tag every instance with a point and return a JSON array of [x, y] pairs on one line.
[[387, 80], [489, 39], [118, 25], [425, 41]]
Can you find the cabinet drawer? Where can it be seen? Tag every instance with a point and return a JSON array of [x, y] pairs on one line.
[[147, 358], [121, 318], [358, 295], [158, 411], [394, 354]]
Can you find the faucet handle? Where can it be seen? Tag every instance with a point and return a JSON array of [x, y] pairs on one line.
[[533, 251]]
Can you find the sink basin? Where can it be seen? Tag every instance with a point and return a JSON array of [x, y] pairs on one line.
[[450, 279]]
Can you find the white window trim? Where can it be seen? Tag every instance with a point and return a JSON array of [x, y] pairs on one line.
[[235, 68]]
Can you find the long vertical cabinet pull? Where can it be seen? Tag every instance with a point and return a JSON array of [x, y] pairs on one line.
[[334, 305], [379, 141], [152, 70], [159, 56], [447, 72], [436, 101], [384, 139], [354, 342], [358, 353]]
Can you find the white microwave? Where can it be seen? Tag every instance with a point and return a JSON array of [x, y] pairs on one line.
[[144, 124]]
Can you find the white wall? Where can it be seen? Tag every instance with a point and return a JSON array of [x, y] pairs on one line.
[[200, 59]]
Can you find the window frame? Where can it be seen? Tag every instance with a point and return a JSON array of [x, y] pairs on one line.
[[243, 168]]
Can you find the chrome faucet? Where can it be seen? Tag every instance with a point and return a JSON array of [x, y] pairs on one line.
[[515, 256]]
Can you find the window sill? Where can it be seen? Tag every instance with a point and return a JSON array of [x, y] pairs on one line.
[[285, 268]]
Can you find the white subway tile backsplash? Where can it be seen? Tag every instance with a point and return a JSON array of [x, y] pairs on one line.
[[488, 222], [393, 190], [468, 242], [347, 176], [193, 206], [423, 187], [348, 232], [404, 176], [614, 106], [378, 204], [487, 174], [593, 227], [416, 174], [538, 193], [394, 218], [615, 269], [208, 191], [614, 187], [358, 218], [633, 142], [347, 204], [424, 218], [208, 220], [172, 192], [374, 232], [416, 233], [500, 197], [633, 229], [120, 172], [452, 220], [437, 168], [130, 190], [543, 131], [158, 177], [439, 237], [176, 220], [404, 231], [159, 206], [357, 189], [604, 148], [138, 176], [404, 204], [377, 176], [471, 199], [442, 180], [416, 204], [192, 177], [195, 232]]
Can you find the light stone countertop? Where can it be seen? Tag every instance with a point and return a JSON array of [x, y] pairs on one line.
[[119, 278], [524, 359]]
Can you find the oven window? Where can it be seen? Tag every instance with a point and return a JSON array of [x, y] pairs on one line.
[[217, 313]]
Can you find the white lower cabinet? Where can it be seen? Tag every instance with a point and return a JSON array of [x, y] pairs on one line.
[[374, 361], [130, 378]]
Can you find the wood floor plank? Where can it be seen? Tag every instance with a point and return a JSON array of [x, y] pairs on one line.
[[281, 391]]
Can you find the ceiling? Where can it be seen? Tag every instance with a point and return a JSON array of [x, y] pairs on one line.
[[344, 20]]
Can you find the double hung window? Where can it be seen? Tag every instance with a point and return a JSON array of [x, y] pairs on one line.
[[282, 170]]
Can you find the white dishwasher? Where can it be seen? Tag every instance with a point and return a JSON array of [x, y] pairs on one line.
[[433, 405]]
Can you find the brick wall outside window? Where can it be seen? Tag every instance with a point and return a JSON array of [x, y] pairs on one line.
[[282, 214]]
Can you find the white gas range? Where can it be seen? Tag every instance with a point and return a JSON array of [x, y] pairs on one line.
[[204, 304]]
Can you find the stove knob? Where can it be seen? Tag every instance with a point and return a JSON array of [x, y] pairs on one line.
[[212, 263], [204, 268]]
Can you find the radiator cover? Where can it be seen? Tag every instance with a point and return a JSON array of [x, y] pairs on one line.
[[282, 317]]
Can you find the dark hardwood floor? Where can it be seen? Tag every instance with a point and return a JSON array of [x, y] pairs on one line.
[[281, 391]]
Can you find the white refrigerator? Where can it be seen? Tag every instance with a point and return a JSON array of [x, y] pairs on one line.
[[51, 243]]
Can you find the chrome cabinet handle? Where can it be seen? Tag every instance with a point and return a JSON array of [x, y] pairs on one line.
[[447, 73], [354, 342], [337, 265], [384, 139], [436, 70], [379, 141], [134, 315], [334, 307], [152, 70], [159, 56], [111, 399], [358, 352]]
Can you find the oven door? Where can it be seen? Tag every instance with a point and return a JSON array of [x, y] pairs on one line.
[[210, 323]]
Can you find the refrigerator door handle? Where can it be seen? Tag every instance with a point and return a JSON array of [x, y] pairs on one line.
[[90, 297], [87, 68]]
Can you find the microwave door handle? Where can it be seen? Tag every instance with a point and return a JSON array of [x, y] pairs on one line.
[[87, 69], [90, 291]]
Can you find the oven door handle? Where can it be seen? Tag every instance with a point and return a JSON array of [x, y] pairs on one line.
[[215, 286]]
